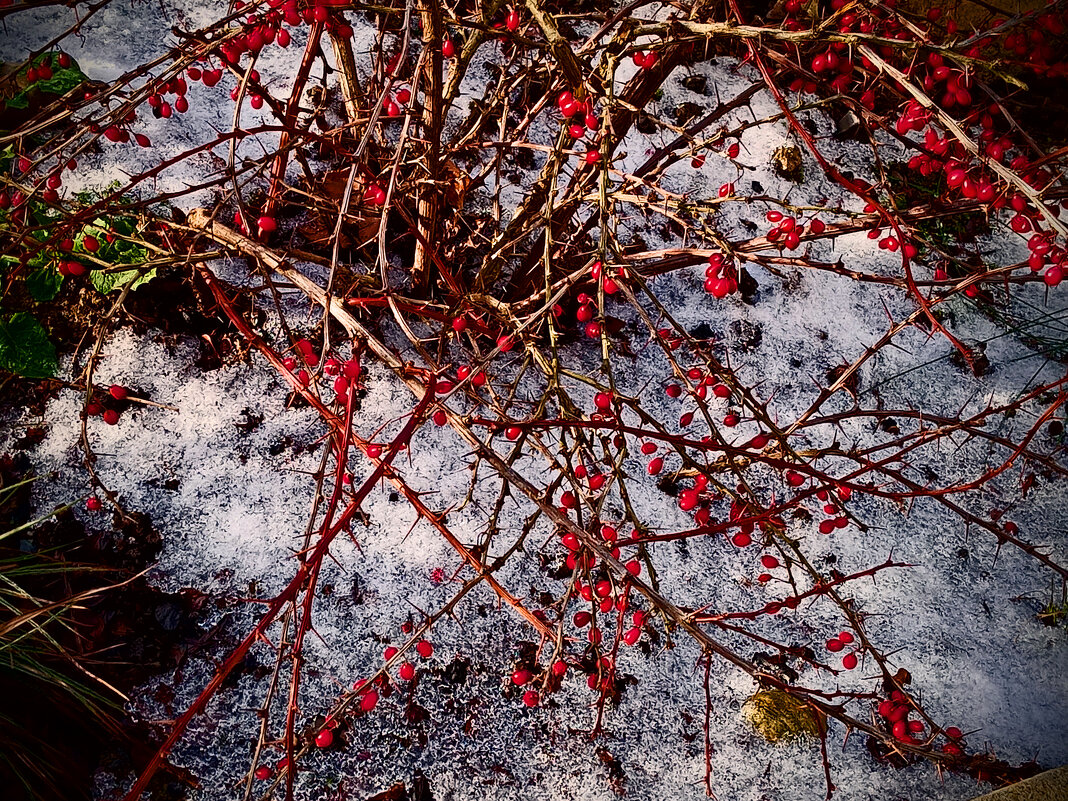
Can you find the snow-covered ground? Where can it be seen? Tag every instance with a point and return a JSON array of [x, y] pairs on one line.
[[233, 504]]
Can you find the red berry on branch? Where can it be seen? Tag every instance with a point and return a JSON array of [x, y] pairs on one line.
[[367, 702], [521, 677], [687, 499]]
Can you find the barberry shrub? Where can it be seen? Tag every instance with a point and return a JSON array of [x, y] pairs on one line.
[[722, 305]]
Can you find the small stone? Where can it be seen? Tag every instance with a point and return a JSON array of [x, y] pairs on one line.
[[778, 716]]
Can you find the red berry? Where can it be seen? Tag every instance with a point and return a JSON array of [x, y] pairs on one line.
[[448, 49], [521, 677], [93, 504], [849, 661], [603, 401], [834, 644], [530, 698], [407, 671], [424, 649], [368, 701], [375, 194], [118, 392], [91, 244], [267, 224], [111, 417], [262, 773], [324, 739]]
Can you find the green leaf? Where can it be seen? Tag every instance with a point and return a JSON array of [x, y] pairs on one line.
[[44, 284], [120, 251], [61, 82], [19, 101], [107, 281], [25, 348]]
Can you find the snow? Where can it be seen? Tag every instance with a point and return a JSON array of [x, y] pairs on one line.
[[957, 618]]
